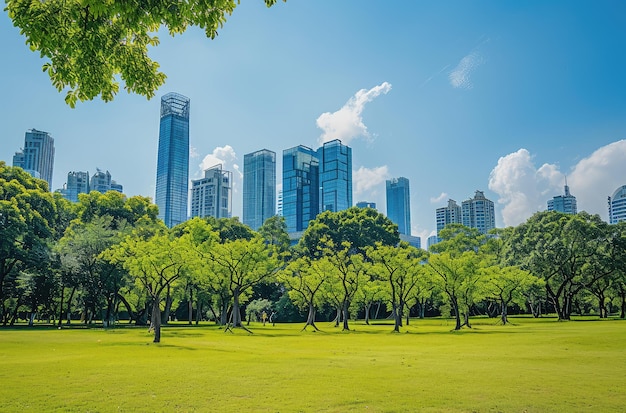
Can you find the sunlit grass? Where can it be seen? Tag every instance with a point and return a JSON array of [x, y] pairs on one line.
[[534, 366]]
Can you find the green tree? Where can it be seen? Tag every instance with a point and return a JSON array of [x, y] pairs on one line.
[[304, 278], [155, 263], [401, 270], [27, 226], [242, 264], [92, 44], [559, 248]]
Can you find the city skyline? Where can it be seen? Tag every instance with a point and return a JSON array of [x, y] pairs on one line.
[[502, 97]]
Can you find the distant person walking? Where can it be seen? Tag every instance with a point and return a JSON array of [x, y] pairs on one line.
[[264, 317]]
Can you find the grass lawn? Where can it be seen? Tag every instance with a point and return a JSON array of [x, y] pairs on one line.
[[531, 366]]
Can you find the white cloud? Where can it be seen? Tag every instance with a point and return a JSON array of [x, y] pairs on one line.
[[347, 123], [368, 180], [440, 198], [524, 189], [460, 75], [595, 178]]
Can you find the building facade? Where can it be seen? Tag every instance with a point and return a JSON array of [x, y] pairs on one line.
[[211, 196], [399, 204], [77, 183], [259, 187], [450, 214], [366, 204], [101, 181], [301, 187], [335, 169], [563, 203], [172, 177], [479, 213], [37, 156], [617, 205]]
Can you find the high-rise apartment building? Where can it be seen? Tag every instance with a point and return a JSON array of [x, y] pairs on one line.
[[37, 156], [172, 177], [300, 187], [399, 204], [77, 183], [211, 196], [479, 213], [101, 181], [335, 169], [259, 187], [617, 205], [450, 214], [563, 203]]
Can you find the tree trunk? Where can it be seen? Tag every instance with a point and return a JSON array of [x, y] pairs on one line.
[[310, 319], [457, 315], [622, 295], [601, 306], [190, 306], [345, 316], [504, 313], [156, 319], [367, 313], [377, 310], [168, 305], [397, 318], [236, 316]]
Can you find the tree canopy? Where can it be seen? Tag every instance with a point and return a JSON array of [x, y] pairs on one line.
[[91, 44]]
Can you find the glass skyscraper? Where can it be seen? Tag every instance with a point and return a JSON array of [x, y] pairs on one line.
[[259, 187], [37, 157], [172, 180], [335, 176], [399, 204], [300, 187]]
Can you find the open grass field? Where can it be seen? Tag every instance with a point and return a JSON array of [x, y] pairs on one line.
[[532, 366]]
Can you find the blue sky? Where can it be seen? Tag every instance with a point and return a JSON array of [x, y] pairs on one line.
[[500, 96]]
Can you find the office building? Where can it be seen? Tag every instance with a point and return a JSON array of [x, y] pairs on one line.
[[617, 205], [212, 195], [365, 204], [335, 170], [432, 240], [37, 156], [101, 181], [563, 203], [399, 204], [77, 183], [259, 187], [300, 187], [450, 214], [172, 177], [479, 213]]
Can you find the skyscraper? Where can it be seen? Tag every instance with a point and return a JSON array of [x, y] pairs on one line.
[[172, 180], [366, 204], [300, 187], [450, 214], [399, 204], [335, 176], [617, 205], [259, 187], [563, 203], [211, 196], [77, 183], [37, 156], [479, 213]]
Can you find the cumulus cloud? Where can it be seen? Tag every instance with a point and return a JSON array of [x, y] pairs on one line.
[[347, 123], [524, 188], [368, 179], [597, 176], [460, 76], [435, 200]]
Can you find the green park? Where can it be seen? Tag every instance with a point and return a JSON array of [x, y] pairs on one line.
[[106, 309]]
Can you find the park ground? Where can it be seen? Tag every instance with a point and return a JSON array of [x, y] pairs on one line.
[[532, 365]]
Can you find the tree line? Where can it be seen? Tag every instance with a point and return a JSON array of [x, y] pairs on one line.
[[109, 256]]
